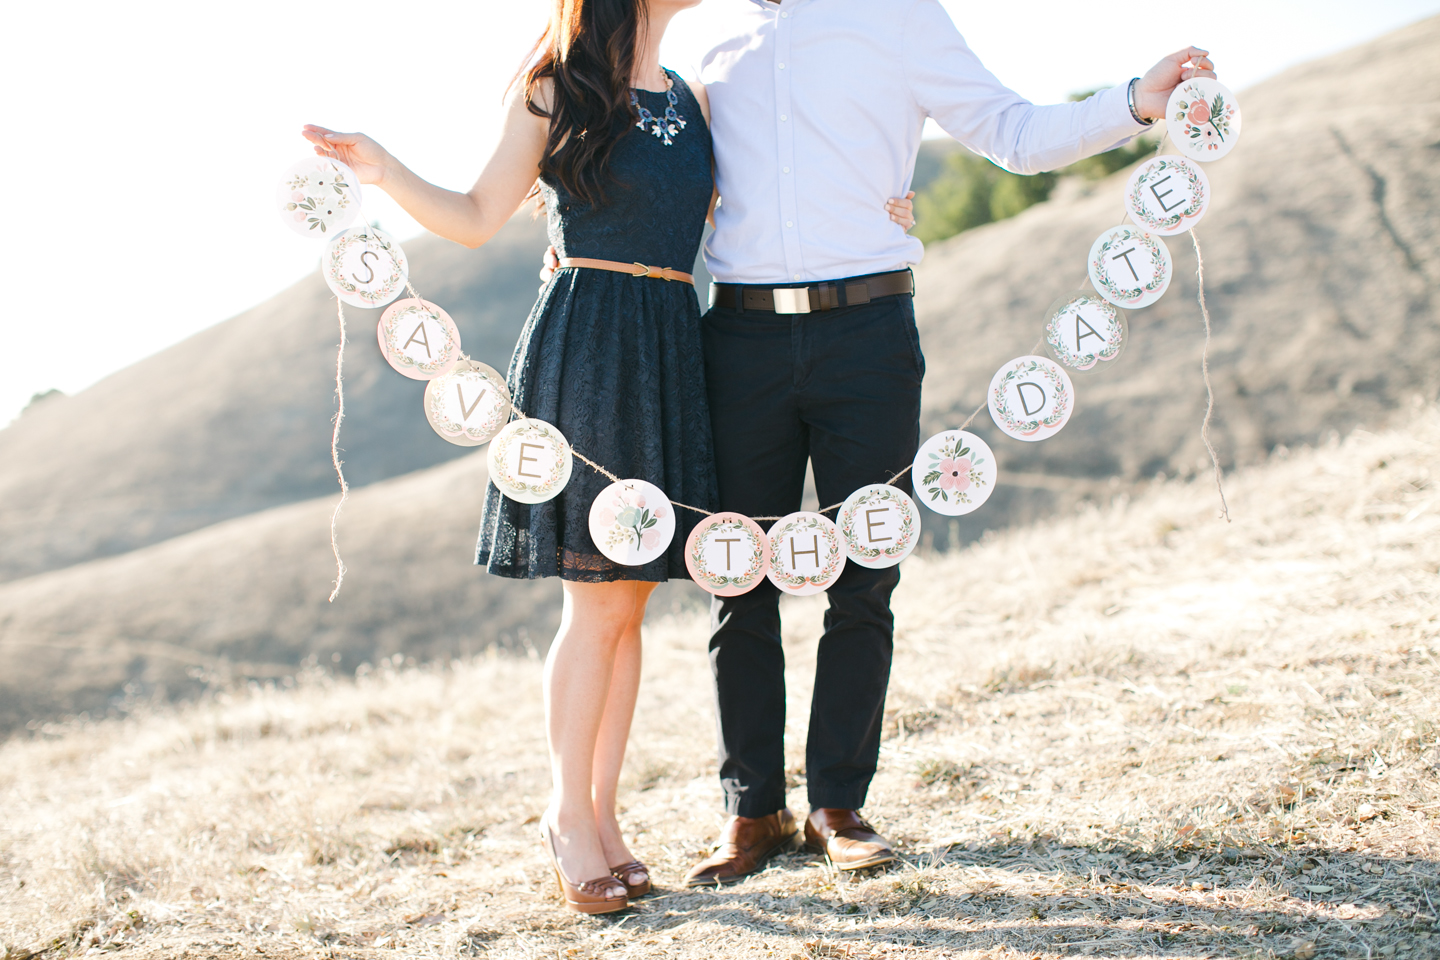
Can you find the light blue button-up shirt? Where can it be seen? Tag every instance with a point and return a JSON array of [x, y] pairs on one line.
[[817, 108]]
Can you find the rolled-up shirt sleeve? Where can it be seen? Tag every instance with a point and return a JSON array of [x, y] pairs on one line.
[[952, 86]]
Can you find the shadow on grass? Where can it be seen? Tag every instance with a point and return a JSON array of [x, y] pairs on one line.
[[1274, 902]]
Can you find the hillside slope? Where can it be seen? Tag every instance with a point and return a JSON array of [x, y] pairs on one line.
[[237, 418], [1322, 258], [1137, 731], [246, 597]]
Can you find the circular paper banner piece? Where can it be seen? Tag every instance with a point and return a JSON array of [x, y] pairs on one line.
[[365, 267], [880, 525], [1031, 398], [418, 339], [806, 555], [1204, 119], [318, 197], [954, 473], [1167, 195], [632, 522], [727, 554], [1083, 329], [468, 405], [529, 461], [1130, 267]]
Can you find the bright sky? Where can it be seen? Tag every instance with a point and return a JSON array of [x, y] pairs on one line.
[[161, 128]]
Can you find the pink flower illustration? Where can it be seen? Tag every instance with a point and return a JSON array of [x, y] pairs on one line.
[[606, 518], [299, 216], [650, 539], [955, 474], [659, 513], [640, 503], [298, 195], [1199, 112]]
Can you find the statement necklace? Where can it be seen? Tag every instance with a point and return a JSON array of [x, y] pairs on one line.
[[667, 127]]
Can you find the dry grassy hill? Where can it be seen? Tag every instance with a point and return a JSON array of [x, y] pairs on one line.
[[1322, 260], [236, 418], [1134, 732]]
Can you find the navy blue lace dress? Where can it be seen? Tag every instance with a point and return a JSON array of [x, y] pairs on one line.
[[615, 360]]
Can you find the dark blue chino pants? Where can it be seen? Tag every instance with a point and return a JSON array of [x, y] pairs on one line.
[[841, 389]]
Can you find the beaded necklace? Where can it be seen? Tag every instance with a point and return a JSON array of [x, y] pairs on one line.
[[667, 127]]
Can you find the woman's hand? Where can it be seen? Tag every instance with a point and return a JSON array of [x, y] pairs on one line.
[[367, 158], [1152, 93], [902, 211]]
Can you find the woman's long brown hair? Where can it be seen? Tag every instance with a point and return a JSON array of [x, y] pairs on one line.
[[588, 52]]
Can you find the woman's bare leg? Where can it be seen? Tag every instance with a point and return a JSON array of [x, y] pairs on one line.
[[578, 680], [615, 730]]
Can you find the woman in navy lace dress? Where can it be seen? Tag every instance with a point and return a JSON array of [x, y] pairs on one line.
[[619, 150]]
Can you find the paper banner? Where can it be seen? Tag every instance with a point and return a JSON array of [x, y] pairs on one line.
[[529, 461], [1204, 119], [468, 405], [632, 522], [1167, 195], [727, 554], [879, 525], [954, 473], [365, 267], [1082, 329], [806, 555], [318, 197], [418, 339], [1031, 398], [1130, 267]]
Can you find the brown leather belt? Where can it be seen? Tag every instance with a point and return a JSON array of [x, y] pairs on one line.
[[828, 295], [634, 269]]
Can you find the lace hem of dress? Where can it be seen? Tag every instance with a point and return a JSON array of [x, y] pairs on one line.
[[596, 568]]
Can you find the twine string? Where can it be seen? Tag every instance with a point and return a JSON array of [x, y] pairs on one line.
[[1205, 372], [335, 451]]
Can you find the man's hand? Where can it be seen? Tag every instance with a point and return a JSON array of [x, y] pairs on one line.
[[1152, 93], [549, 264], [902, 209]]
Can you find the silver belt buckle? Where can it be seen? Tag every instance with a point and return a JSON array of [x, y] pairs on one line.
[[791, 299]]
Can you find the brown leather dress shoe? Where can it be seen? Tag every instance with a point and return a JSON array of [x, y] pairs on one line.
[[847, 840], [745, 844]]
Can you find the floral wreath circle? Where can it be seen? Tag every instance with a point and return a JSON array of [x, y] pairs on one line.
[[1059, 408], [1159, 263], [1195, 180], [1078, 361], [436, 390], [396, 355], [377, 296], [799, 522], [759, 562], [879, 493], [530, 429]]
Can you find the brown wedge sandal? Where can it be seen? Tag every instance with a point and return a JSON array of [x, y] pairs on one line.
[[625, 871], [602, 895]]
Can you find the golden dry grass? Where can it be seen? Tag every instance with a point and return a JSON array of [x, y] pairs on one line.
[[1133, 732]]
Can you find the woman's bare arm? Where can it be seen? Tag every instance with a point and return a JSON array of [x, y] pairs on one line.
[[467, 218]]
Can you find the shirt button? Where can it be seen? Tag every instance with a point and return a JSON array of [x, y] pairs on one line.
[[784, 16], [784, 169], [797, 276], [789, 223], [782, 66], [783, 118]]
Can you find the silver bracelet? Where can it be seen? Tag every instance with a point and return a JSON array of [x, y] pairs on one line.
[[1130, 96]]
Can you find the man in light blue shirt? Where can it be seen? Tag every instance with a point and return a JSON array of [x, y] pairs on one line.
[[812, 353]]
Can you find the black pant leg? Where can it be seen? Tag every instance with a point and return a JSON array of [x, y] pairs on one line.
[[760, 454], [860, 398]]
